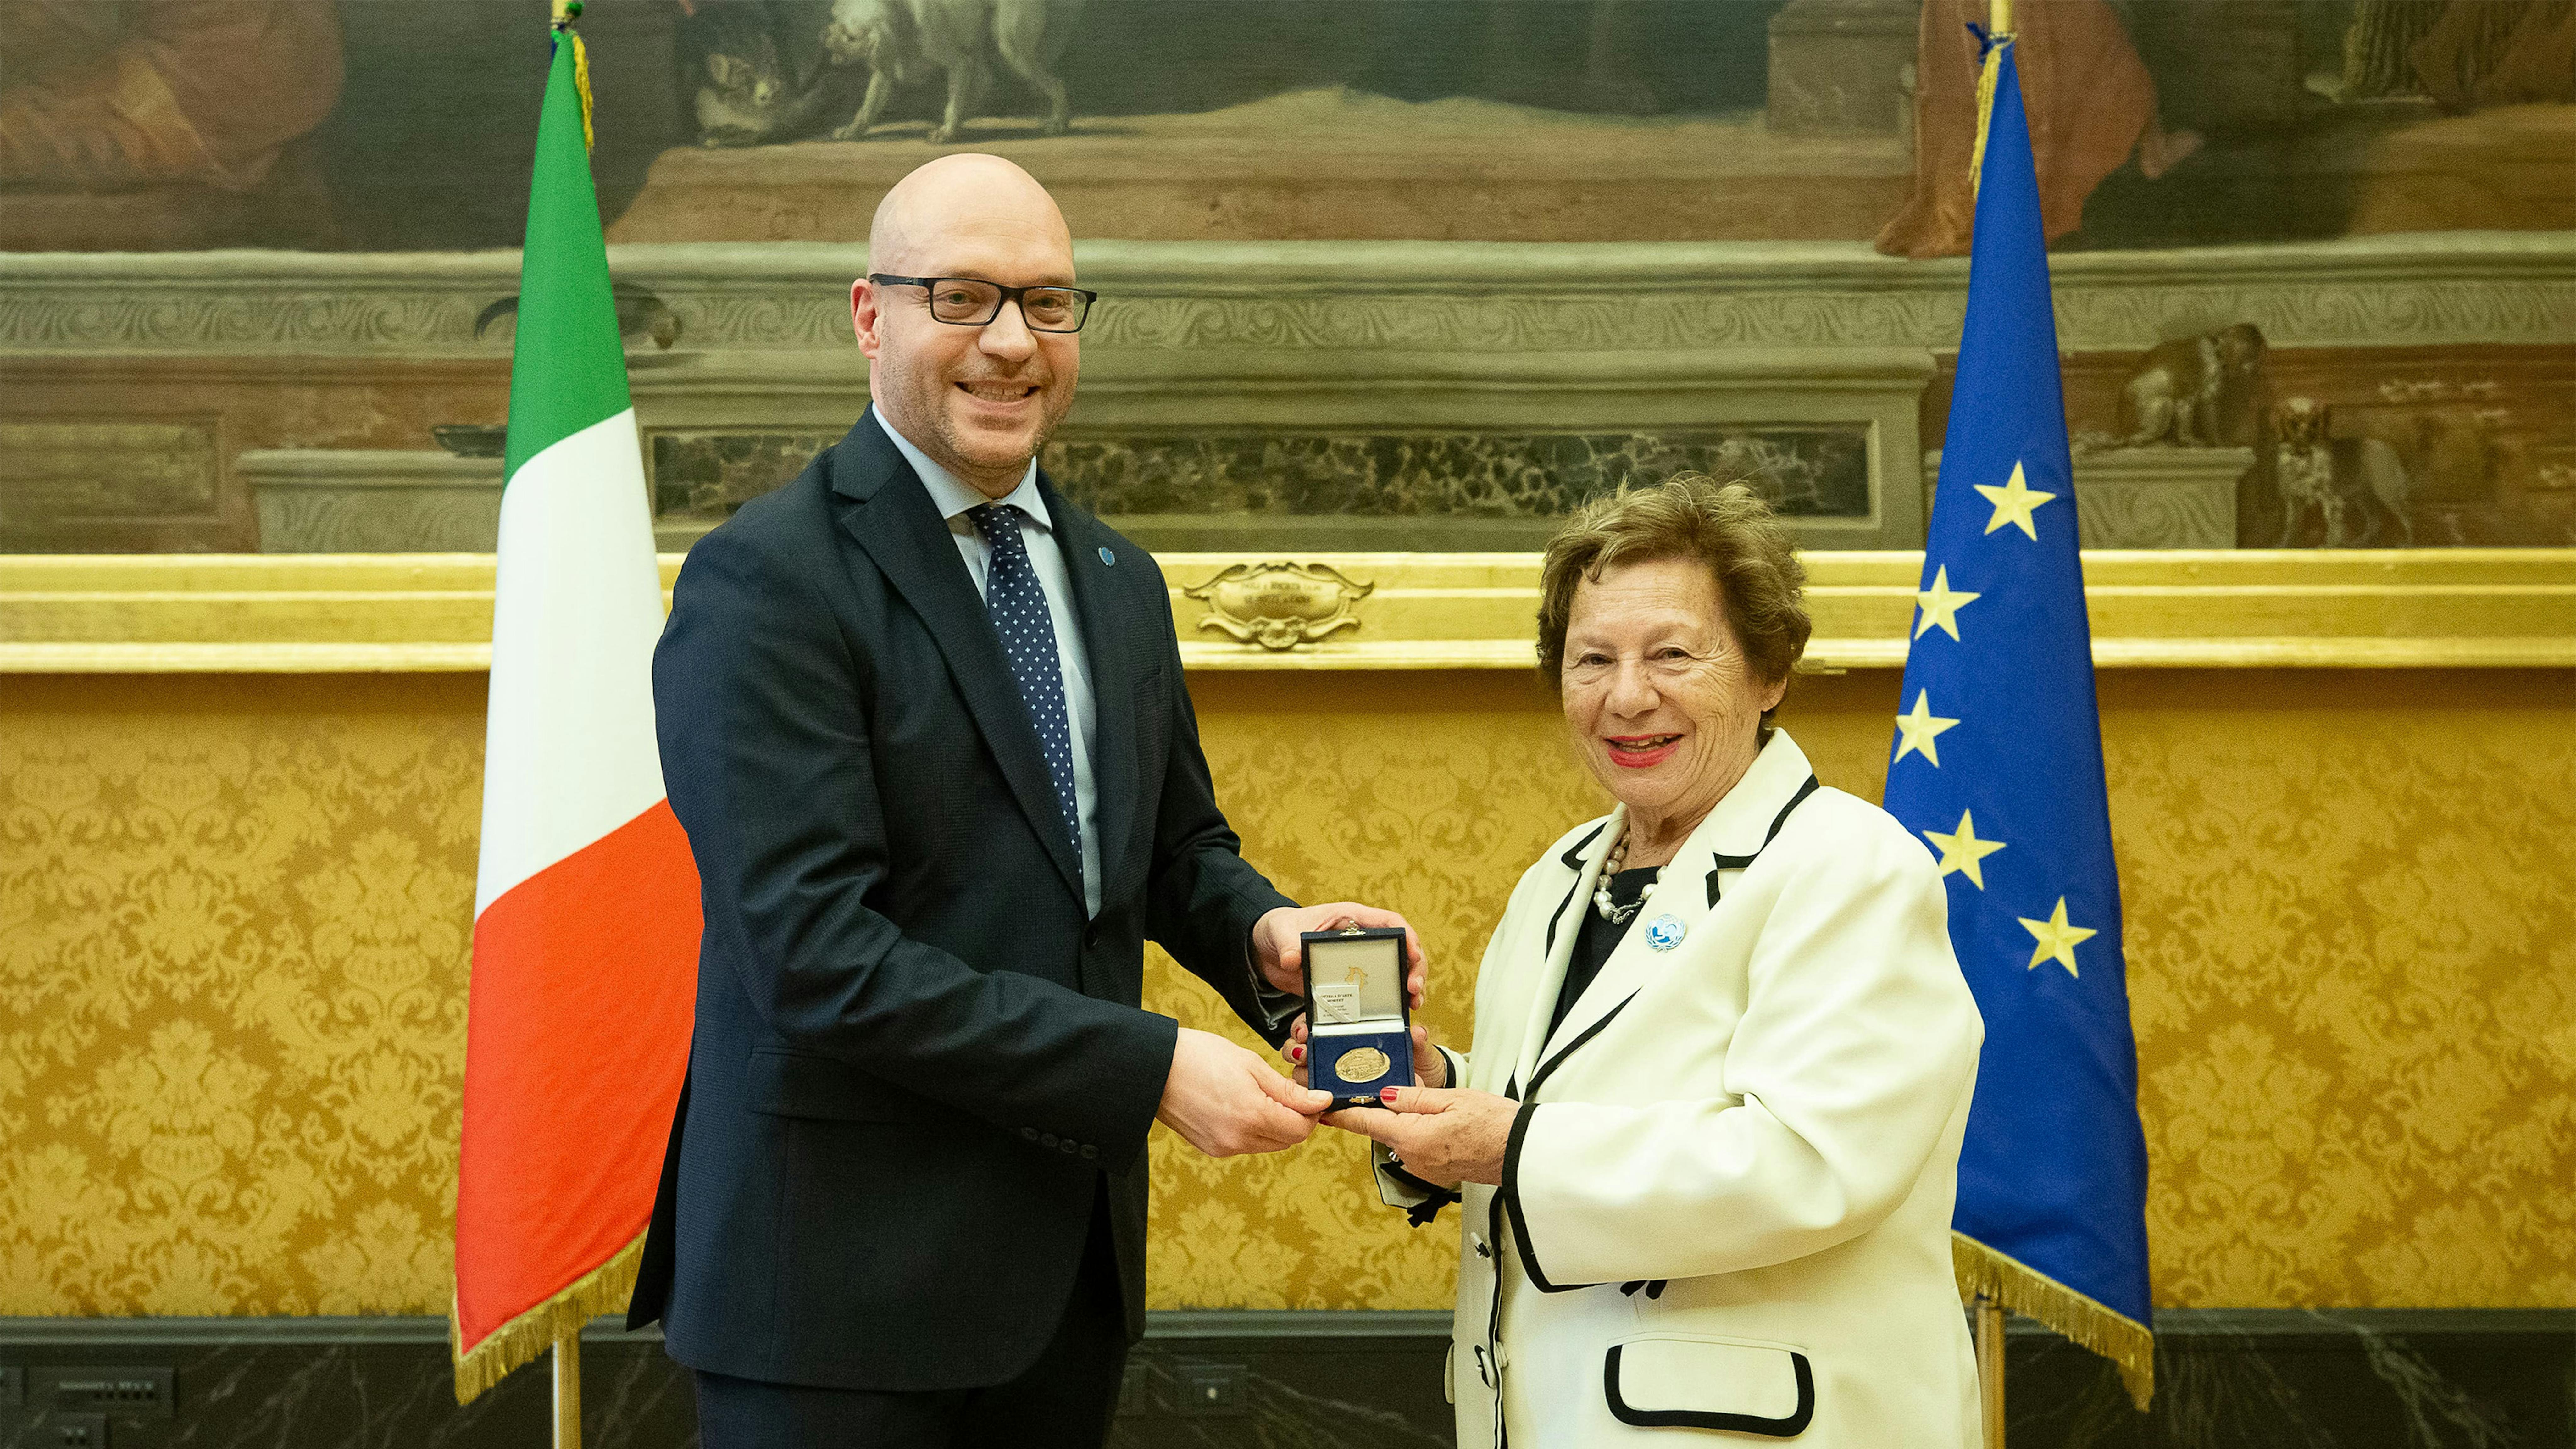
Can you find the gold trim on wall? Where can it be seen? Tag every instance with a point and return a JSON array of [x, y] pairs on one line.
[[407, 613]]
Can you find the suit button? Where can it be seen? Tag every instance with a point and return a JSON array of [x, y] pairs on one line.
[[1029, 1133], [1090, 1151], [1072, 1146], [1481, 1250], [1047, 1141]]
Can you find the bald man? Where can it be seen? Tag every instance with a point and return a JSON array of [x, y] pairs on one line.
[[924, 721]]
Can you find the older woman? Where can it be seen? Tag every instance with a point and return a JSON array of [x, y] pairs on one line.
[[1709, 1133]]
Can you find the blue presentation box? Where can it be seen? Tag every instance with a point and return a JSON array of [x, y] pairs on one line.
[[1359, 1018], [1358, 1066]]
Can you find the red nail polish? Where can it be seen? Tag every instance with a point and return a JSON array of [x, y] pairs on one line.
[[1388, 1095], [1296, 1054]]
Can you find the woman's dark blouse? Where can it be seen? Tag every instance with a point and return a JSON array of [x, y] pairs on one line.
[[1598, 938]]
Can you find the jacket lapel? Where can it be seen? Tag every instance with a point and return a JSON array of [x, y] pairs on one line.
[[1736, 829], [1584, 857], [1105, 634], [891, 518]]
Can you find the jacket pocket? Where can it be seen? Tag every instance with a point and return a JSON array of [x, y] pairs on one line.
[[782, 1083], [1675, 1381]]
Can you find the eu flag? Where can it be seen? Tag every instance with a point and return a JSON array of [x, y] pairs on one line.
[[1998, 768]]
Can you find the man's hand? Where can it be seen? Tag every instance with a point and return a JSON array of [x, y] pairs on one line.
[[1442, 1137], [1226, 1101], [1276, 951], [1430, 1069]]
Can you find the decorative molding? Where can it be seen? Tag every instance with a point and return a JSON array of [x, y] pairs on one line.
[[2391, 608], [2159, 497], [1279, 605], [338, 500], [1336, 297]]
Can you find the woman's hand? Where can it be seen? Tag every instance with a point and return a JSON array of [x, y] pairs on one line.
[[1430, 1068], [1442, 1137]]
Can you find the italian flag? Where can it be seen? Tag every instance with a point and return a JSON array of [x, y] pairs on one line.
[[586, 903]]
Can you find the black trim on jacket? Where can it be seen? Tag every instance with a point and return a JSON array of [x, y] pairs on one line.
[[1788, 1428], [1509, 1191], [1573, 860], [1741, 862]]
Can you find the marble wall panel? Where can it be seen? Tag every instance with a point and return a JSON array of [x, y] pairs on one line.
[[65, 482], [2226, 1379], [1809, 472], [1249, 481], [706, 475]]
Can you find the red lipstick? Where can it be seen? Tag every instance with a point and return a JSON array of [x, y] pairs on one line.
[[1639, 752]]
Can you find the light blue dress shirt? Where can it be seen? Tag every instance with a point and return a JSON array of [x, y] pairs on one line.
[[954, 499]]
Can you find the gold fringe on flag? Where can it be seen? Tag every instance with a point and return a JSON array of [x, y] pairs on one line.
[[603, 1289], [581, 84], [1985, 111], [2127, 1343], [566, 12]]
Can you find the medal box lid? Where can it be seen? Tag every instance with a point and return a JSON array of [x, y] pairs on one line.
[[1355, 980]]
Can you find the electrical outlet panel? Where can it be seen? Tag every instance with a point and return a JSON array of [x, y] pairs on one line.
[[1212, 1390], [71, 1431], [123, 1393]]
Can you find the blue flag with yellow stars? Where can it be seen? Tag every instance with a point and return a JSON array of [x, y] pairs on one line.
[[1997, 767]]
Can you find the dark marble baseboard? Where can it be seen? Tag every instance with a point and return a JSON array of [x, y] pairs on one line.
[[2277, 1379]]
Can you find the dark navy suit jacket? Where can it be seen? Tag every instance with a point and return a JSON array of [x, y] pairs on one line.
[[915, 1058]]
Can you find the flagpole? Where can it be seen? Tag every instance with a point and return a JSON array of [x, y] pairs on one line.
[[568, 1389], [567, 1360], [1989, 1322], [1989, 1319]]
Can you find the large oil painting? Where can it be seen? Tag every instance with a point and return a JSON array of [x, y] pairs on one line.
[[2315, 273]]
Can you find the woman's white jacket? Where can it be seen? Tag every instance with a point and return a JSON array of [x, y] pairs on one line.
[[1725, 1211]]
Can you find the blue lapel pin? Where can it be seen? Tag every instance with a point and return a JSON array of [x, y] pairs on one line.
[[1107, 557], [1665, 932]]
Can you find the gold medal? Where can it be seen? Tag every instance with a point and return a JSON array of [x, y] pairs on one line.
[[1361, 1064]]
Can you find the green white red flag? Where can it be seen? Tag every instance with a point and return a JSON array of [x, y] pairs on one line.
[[586, 902]]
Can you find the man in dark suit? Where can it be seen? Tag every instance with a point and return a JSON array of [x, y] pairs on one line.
[[925, 724]]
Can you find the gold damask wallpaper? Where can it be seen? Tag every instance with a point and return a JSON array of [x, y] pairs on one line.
[[233, 929], [233, 917]]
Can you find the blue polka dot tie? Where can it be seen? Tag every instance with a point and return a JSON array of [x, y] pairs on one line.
[[1027, 627]]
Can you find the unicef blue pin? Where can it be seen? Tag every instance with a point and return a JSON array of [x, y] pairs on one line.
[[1107, 557], [1665, 932]]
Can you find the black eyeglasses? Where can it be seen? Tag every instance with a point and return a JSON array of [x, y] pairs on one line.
[[974, 302]]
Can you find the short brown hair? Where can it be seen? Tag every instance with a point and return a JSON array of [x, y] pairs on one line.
[[1727, 526]]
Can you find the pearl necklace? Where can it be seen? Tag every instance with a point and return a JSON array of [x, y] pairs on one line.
[[1618, 915]]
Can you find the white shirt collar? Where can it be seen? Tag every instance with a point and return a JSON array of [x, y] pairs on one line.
[[954, 498]]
